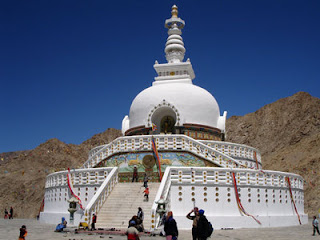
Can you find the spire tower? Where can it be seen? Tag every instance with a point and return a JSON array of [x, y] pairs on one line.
[[174, 47], [175, 70]]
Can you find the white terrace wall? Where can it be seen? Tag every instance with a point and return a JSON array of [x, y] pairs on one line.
[[263, 194], [86, 182]]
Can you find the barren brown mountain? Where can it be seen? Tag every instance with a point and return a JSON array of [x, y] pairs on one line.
[[287, 132], [23, 173]]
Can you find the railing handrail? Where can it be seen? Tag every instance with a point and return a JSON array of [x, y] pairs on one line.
[[77, 170], [240, 170], [95, 148], [101, 188], [232, 144], [163, 192], [199, 143], [99, 194]]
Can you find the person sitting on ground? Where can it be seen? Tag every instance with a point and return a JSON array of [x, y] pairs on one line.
[[135, 219], [23, 232], [132, 233], [61, 225]]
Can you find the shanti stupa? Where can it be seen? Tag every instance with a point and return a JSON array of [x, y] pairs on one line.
[[175, 134]]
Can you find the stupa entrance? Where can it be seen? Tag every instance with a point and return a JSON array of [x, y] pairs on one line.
[[165, 119]]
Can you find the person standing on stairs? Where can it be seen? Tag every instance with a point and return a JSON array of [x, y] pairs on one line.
[[140, 216], [146, 194], [135, 174], [145, 180]]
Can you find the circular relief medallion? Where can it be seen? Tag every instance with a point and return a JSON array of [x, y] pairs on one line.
[[148, 161]]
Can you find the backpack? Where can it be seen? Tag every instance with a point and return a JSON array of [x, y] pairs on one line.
[[210, 229]]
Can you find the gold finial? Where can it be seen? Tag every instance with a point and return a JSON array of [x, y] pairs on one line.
[[174, 11]]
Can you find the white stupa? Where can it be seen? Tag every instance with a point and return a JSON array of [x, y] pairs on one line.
[[187, 157], [173, 93]]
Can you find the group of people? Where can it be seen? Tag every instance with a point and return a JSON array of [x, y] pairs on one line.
[[8, 214], [201, 227], [135, 225]]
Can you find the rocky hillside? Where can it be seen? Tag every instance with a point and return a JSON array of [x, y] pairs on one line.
[[23, 173], [287, 132]]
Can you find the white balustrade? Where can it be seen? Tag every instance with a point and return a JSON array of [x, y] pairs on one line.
[[235, 150], [259, 189], [101, 195], [164, 142], [78, 177]]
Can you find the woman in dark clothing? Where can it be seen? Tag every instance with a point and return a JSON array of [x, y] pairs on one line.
[[202, 226], [170, 227]]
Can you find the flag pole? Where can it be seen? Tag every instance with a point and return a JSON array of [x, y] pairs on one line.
[[155, 151]]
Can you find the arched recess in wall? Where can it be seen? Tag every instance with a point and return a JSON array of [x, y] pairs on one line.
[[165, 116]]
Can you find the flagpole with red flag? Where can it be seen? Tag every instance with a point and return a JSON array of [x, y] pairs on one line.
[[155, 152]]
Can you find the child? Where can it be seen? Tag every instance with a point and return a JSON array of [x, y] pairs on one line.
[[146, 194]]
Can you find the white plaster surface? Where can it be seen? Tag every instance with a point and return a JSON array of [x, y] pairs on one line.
[[194, 104]]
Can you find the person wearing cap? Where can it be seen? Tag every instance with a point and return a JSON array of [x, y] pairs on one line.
[[132, 233], [195, 218], [23, 232], [202, 226]]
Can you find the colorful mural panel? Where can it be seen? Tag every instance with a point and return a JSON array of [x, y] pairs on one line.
[[145, 161]]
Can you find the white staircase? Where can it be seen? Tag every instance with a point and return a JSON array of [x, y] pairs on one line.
[[123, 203]]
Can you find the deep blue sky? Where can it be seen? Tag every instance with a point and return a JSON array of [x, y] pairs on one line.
[[70, 69]]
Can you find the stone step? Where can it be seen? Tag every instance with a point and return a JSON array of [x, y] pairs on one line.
[[123, 203]]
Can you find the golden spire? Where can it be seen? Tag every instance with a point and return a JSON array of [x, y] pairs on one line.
[[174, 11]]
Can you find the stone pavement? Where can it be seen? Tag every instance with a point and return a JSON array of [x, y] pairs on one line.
[[9, 230]]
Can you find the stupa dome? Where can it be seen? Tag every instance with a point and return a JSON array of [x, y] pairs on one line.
[[185, 102]]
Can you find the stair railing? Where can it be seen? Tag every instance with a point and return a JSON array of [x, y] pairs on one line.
[[163, 193], [101, 195], [164, 142]]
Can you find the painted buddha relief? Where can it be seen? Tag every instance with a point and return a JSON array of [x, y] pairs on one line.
[[167, 124]]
